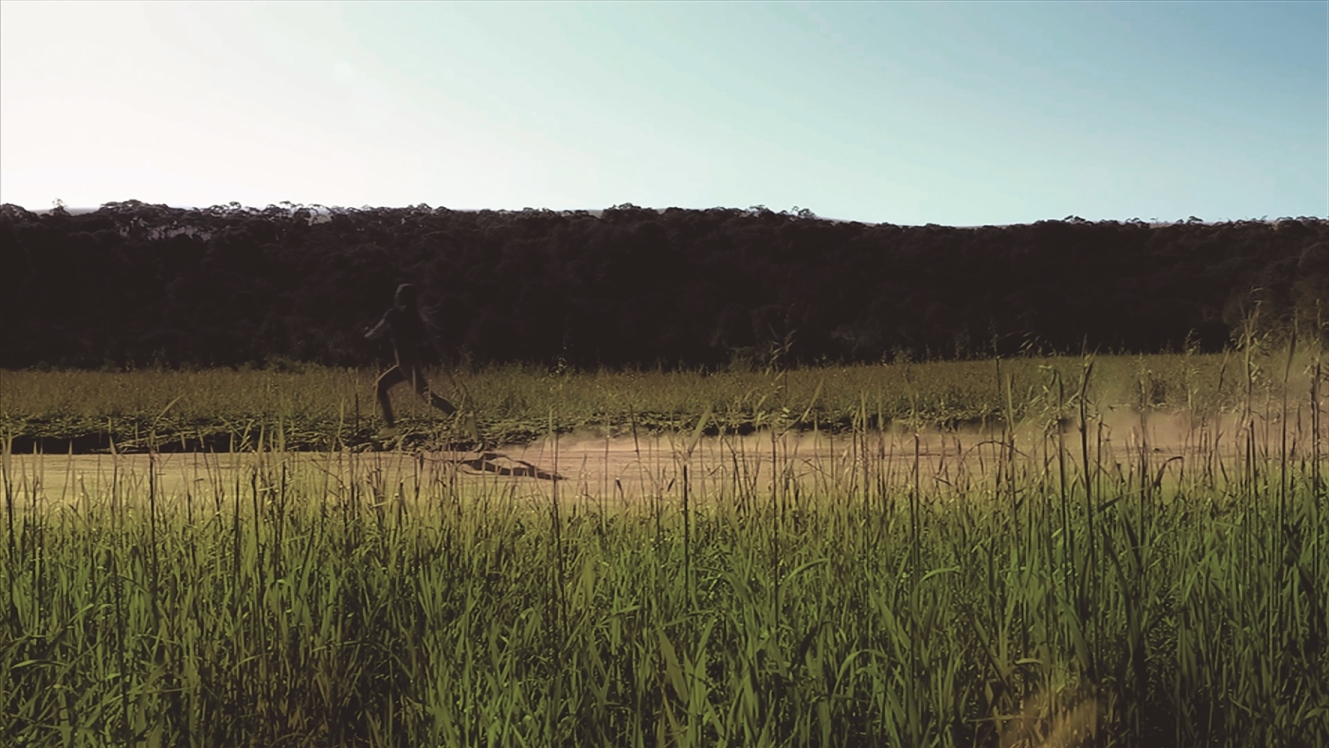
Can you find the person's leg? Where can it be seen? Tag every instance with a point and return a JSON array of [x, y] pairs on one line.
[[386, 381], [442, 404], [422, 389]]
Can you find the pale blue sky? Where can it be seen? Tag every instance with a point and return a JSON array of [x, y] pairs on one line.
[[910, 113]]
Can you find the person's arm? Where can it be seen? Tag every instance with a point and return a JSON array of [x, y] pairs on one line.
[[430, 335], [378, 330]]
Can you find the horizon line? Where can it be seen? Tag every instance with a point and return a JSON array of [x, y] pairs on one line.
[[598, 212]]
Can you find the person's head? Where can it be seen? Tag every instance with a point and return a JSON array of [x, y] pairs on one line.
[[406, 295]]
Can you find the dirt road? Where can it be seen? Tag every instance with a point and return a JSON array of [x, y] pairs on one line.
[[622, 469]]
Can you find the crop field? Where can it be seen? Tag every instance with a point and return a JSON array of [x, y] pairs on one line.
[[1098, 551]]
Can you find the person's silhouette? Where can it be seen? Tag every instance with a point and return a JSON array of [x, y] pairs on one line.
[[407, 328]]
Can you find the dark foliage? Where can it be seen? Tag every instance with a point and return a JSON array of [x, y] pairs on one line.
[[139, 284]]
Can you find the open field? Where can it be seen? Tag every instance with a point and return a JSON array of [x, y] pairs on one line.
[[816, 567], [318, 408]]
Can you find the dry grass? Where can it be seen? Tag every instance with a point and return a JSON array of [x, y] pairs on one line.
[[320, 408]]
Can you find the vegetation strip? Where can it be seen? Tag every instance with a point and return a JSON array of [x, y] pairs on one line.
[[319, 408], [1044, 592]]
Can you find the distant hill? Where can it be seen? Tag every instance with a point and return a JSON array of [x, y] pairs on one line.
[[133, 283]]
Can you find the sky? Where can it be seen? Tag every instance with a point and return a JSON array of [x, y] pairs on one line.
[[955, 113]]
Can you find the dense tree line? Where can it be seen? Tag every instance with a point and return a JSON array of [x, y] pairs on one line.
[[139, 284]]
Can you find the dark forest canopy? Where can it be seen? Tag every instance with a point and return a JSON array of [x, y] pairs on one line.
[[139, 284]]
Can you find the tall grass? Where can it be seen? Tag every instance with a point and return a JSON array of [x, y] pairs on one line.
[[1039, 589], [323, 408]]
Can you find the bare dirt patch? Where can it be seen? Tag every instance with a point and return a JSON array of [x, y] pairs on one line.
[[624, 468]]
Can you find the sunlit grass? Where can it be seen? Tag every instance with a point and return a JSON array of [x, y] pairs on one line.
[[1046, 589], [323, 408]]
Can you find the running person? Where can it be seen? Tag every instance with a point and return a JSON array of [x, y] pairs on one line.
[[407, 328]]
